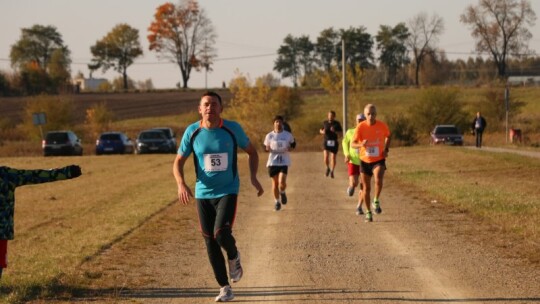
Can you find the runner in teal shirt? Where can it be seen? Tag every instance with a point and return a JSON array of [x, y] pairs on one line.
[[215, 157], [214, 143]]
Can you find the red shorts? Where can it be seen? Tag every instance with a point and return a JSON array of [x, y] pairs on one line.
[[3, 253], [353, 169]]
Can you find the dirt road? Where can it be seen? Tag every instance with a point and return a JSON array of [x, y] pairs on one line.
[[316, 250]]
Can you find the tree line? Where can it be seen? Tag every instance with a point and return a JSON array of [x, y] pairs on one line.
[[181, 34], [408, 52], [184, 35]]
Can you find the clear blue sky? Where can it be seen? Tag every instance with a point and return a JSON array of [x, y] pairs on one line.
[[249, 31]]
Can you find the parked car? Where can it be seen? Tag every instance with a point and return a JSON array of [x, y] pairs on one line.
[[114, 143], [153, 141], [170, 135], [63, 142], [446, 134]]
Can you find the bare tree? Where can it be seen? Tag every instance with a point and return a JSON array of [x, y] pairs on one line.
[[500, 28], [424, 34], [184, 35]]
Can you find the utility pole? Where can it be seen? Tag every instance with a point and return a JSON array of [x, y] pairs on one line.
[[205, 66], [344, 81], [507, 105]]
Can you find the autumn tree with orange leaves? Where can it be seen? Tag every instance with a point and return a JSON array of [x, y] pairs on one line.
[[184, 35]]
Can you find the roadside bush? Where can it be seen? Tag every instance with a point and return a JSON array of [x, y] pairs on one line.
[[493, 108], [5, 87], [255, 106], [332, 81], [58, 111], [438, 106], [403, 131], [105, 87], [98, 119]]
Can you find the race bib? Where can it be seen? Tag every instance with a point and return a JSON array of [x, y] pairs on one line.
[[372, 151], [215, 162], [330, 143], [279, 146]]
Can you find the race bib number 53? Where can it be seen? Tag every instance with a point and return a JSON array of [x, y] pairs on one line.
[[216, 162]]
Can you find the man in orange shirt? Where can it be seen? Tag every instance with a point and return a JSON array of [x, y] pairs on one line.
[[372, 137]]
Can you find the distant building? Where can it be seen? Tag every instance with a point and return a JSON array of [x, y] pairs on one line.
[[88, 84], [523, 80]]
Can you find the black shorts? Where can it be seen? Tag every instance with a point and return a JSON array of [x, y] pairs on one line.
[[367, 168], [216, 214], [334, 148], [275, 170]]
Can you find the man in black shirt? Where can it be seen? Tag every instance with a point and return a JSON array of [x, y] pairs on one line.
[[331, 130]]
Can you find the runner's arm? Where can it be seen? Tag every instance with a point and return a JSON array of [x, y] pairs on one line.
[[184, 192], [253, 158], [387, 146]]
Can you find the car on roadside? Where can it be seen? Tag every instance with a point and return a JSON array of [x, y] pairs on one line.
[[153, 141], [170, 135], [62, 142], [447, 135], [114, 143]]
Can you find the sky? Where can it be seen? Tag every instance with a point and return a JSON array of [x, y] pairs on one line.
[[249, 32]]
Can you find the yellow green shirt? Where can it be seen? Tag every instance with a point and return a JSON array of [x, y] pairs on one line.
[[351, 153]]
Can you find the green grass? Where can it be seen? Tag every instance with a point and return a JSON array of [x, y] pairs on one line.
[[499, 187], [60, 225]]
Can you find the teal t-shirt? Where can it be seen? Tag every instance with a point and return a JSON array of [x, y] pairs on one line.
[[214, 151]]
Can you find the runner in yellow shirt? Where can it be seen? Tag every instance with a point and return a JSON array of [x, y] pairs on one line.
[[372, 137], [352, 160]]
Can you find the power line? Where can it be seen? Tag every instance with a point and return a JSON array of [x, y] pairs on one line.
[[168, 62]]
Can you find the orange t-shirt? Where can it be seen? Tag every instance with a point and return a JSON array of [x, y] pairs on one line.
[[376, 136]]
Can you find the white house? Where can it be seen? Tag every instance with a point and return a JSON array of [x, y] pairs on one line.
[[88, 84]]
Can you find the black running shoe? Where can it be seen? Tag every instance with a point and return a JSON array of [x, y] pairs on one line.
[[350, 191], [283, 198], [327, 171], [377, 206], [277, 206], [332, 174]]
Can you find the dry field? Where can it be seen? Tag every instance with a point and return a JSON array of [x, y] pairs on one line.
[[116, 234]]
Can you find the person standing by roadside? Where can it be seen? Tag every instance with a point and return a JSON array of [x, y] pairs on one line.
[[352, 160], [214, 142], [278, 143], [10, 179], [478, 125], [372, 137], [330, 130]]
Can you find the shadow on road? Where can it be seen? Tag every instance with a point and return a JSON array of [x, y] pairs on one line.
[[250, 294]]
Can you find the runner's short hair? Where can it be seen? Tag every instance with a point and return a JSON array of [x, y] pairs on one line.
[[212, 94], [278, 117]]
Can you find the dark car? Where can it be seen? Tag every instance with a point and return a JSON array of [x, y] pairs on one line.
[[61, 143], [446, 134], [153, 141], [170, 135], [114, 143]]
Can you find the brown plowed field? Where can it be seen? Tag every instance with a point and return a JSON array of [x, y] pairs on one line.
[[123, 105]]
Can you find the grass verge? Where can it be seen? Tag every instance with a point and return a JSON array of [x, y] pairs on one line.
[[501, 188], [60, 225]]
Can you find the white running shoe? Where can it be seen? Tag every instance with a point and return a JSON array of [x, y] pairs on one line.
[[225, 294], [235, 269]]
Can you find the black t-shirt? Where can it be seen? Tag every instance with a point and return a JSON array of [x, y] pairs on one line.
[[328, 133]]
